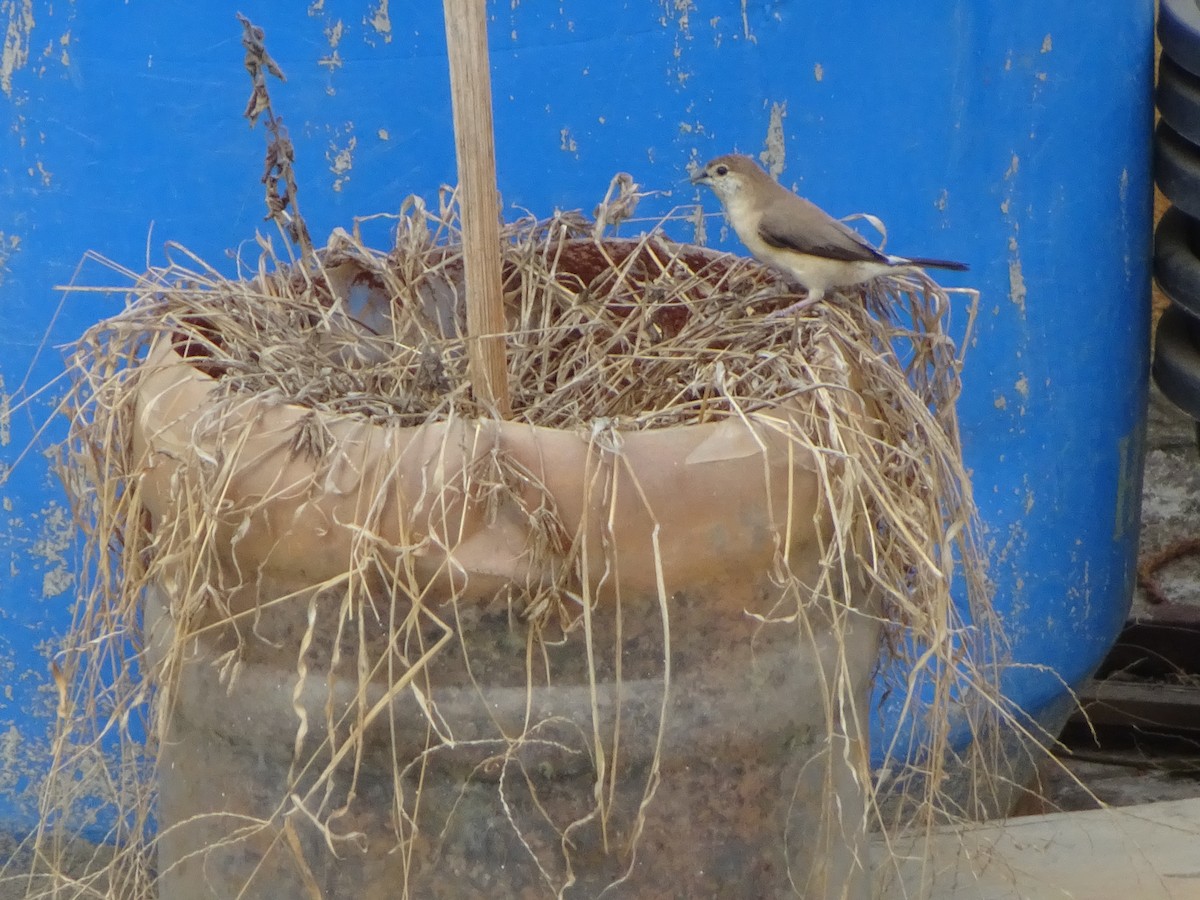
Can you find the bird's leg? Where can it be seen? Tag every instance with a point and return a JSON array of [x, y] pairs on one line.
[[799, 306]]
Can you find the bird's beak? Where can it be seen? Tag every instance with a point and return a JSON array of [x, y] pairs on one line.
[[699, 177]]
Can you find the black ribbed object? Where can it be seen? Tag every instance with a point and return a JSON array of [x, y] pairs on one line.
[[1176, 367]]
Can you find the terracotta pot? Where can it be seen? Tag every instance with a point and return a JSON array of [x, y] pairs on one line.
[[455, 740]]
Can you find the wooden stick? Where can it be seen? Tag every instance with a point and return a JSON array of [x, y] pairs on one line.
[[471, 96]]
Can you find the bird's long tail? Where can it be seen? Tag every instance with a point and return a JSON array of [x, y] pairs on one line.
[[936, 264]]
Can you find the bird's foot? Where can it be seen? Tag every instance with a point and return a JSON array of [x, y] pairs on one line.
[[798, 306]]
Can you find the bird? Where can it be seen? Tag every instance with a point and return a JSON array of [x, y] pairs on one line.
[[796, 237]]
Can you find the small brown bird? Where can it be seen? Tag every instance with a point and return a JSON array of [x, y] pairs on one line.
[[796, 237]]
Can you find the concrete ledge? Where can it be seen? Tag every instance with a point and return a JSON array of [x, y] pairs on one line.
[[1148, 852]]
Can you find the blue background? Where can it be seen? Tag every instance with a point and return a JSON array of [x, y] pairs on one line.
[[1012, 135]]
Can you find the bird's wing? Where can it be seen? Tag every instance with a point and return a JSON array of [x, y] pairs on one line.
[[792, 223]]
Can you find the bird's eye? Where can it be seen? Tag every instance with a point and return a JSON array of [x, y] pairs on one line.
[[722, 170]]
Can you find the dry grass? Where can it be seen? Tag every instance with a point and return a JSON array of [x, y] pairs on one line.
[[638, 335]]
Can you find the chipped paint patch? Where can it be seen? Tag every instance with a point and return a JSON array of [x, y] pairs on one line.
[[383, 135], [567, 141], [1016, 275], [56, 538], [1021, 386], [381, 21], [775, 155], [818, 72], [39, 171], [1123, 198], [9, 244], [16, 40], [746, 32], [5, 420], [10, 752], [680, 11], [1131, 463], [24, 759], [64, 56], [1047, 44], [718, 36], [1017, 289], [333, 34], [341, 156]]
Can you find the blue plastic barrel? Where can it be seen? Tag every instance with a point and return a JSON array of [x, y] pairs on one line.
[[1013, 135]]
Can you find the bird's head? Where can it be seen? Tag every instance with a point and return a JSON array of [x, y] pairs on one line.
[[730, 175]]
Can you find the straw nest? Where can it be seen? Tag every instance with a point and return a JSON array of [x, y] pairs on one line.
[[634, 335]]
